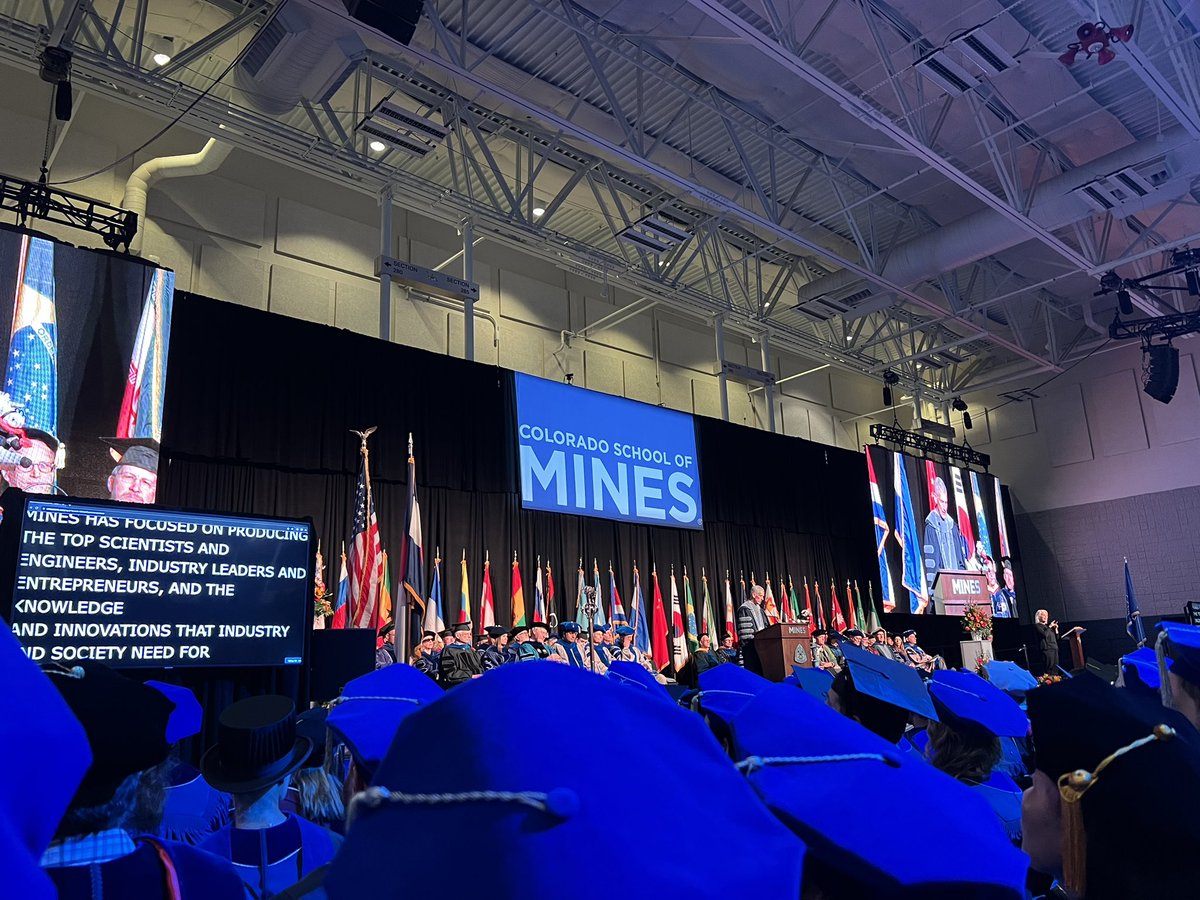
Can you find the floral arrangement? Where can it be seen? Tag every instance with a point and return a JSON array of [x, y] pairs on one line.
[[978, 620], [980, 662], [1049, 679], [321, 605]]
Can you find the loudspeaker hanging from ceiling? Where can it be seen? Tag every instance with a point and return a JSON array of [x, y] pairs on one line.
[[1162, 371], [395, 18]]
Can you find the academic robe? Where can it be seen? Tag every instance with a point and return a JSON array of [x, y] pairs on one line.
[[271, 859], [146, 874], [459, 663]]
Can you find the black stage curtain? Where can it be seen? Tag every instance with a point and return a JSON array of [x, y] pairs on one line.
[[259, 409]]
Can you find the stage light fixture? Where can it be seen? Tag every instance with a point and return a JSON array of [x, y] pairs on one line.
[[890, 379], [1162, 372], [1124, 302], [1192, 277]]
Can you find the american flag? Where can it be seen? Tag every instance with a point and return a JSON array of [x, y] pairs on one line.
[[366, 553]]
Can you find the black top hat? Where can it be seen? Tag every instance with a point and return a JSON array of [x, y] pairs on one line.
[[257, 745]]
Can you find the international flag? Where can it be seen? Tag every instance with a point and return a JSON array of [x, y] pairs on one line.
[[518, 594], [1001, 522], [341, 600], [433, 620], [960, 506], [385, 598], [882, 530], [730, 624], [31, 375], [912, 569], [742, 597], [980, 515], [931, 477], [487, 600], [859, 612], [679, 644], [710, 618], [412, 563], [660, 651], [1133, 618], [872, 614], [581, 614], [366, 553], [836, 620], [142, 403], [539, 599], [551, 618], [808, 605], [318, 589], [769, 604], [689, 618], [618, 608], [637, 614], [464, 596], [851, 613], [820, 609], [793, 600], [600, 619]]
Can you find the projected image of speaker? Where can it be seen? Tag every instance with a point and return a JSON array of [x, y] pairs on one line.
[[395, 18], [1162, 371]]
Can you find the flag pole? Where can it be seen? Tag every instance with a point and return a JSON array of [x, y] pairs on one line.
[[366, 455]]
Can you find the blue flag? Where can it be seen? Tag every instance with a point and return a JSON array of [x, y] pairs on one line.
[[31, 375], [882, 529], [1133, 618], [912, 572], [637, 615]]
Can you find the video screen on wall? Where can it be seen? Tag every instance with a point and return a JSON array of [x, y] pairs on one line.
[[594, 454], [84, 337], [933, 518]]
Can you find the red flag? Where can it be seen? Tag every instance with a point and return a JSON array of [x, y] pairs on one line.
[[730, 627], [769, 606], [808, 605], [784, 606], [518, 594], [551, 618], [836, 620], [850, 609], [487, 603], [660, 649], [820, 606], [366, 554], [930, 478]]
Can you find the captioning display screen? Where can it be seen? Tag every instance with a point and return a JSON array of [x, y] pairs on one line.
[[594, 454], [138, 586]]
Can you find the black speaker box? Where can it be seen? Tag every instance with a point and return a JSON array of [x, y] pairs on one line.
[[339, 655], [395, 18]]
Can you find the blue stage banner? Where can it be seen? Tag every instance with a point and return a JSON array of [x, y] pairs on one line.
[[593, 454]]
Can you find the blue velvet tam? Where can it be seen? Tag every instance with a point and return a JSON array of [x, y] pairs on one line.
[[888, 681], [1010, 678], [965, 699], [187, 716], [630, 674], [37, 718], [624, 630], [724, 690], [371, 707], [815, 682], [1140, 670], [569, 627], [804, 759], [470, 765], [1183, 650]]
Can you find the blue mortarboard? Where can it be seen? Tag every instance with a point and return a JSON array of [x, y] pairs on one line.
[[630, 674], [804, 760], [815, 682], [35, 716], [569, 626], [1139, 670], [603, 629], [624, 630], [1010, 678], [1184, 651], [888, 681], [534, 793], [371, 707], [963, 698], [724, 690], [187, 716]]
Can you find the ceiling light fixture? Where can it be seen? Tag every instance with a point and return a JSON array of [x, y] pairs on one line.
[[377, 146], [538, 212], [162, 49], [1095, 39]]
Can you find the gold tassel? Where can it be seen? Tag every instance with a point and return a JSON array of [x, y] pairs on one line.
[[1071, 787]]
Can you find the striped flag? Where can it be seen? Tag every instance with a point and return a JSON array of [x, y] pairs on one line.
[[661, 648], [600, 619], [793, 600], [31, 375], [385, 597], [637, 615], [859, 612], [882, 530], [518, 594], [820, 609], [142, 403], [710, 618], [931, 478], [851, 612], [464, 596], [689, 617], [539, 599], [433, 609], [581, 617], [551, 618], [872, 614], [366, 553], [487, 601], [912, 570], [1001, 523], [960, 505], [412, 562], [341, 599], [808, 605], [618, 609], [980, 516], [730, 624], [769, 606], [679, 640]]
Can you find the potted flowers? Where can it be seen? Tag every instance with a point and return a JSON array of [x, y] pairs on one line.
[[978, 621]]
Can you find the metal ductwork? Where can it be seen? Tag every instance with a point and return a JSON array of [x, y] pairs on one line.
[[1167, 163]]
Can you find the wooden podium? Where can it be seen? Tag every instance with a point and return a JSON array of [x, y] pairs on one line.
[[1072, 637], [782, 646], [953, 591]]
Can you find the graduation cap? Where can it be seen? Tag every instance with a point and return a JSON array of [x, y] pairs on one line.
[[624, 630], [888, 681], [186, 717], [569, 627], [1179, 646], [630, 674], [724, 690], [805, 760], [814, 682], [1139, 670], [372, 706], [1010, 678], [1128, 774], [517, 629], [140, 452], [536, 793], [963, 699], [494, 631], [311, 724], [37, 717]]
